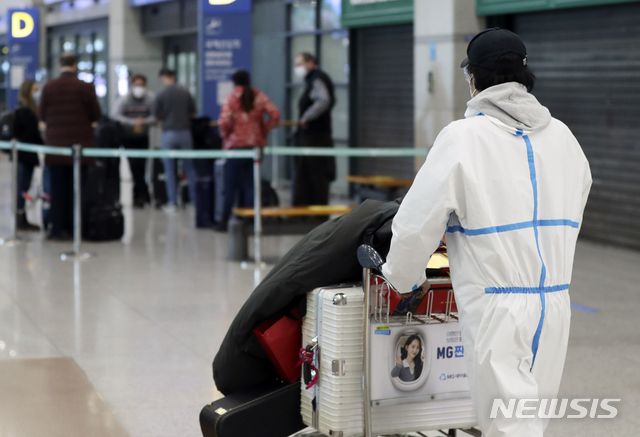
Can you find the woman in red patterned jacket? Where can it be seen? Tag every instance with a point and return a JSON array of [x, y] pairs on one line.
[[242, 125]]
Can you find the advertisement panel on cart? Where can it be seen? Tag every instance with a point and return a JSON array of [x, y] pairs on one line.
[[417, 362]]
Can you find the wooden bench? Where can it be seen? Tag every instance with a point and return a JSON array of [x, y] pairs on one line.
[[384, 188], [277, 221]]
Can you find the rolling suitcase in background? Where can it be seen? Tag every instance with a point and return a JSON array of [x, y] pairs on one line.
[[266, 411], [218, 187], [158, 183], [434, 397], [204, 202], [103, 219]]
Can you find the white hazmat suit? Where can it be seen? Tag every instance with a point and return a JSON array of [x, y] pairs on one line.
[[508, 185]]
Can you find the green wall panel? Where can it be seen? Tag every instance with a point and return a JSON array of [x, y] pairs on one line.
[[360, 13], [497, 7]]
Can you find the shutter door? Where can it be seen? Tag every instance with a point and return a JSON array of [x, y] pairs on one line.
[[385, 97], [587, 62]]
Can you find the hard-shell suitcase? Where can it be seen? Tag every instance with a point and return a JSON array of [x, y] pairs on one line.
[[333, 331], [218, 186], [158, 183], [103, 219], [204, 202], [265, 411]]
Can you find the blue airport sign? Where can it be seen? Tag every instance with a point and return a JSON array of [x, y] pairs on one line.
[[23, 42], [225, 47]]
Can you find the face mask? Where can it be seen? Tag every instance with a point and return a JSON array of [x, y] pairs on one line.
[[472, 89], [300, 71], [138, 92], [36, 96]]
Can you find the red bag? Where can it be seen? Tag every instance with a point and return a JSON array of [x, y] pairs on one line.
[[281, 339]]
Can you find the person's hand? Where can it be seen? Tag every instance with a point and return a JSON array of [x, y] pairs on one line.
[[139, 122], [399, 360], [303, 123]]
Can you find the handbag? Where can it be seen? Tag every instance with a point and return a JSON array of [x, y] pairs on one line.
[[281, 337]]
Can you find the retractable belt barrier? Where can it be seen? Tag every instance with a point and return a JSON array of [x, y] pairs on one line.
[[256, 154]]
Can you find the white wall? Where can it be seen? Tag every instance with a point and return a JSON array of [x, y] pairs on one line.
[[442, 30]]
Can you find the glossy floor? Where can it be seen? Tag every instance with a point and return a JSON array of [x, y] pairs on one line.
[[134, 331]]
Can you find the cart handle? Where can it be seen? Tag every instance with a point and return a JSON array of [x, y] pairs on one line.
[[369, 258]]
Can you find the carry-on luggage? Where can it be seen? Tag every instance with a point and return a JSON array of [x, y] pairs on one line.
[[204, 202], [158, 183], [104, 222], [103, 219], [396, 398], [218, 186], [266, 411]]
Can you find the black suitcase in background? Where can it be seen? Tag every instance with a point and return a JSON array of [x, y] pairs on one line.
[[269, 196], [264, 411], [103, 222], [218, 186], [159, 185], [204, 202], [102, 214]]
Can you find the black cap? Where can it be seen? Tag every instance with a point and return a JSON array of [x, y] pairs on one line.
[[487, 48], [165, 71]]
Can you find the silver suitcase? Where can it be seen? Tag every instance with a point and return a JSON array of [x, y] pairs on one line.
[[333, 330]]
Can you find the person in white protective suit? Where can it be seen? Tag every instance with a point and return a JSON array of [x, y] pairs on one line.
[[508, 186]]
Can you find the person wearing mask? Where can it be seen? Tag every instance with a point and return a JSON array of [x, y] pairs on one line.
[[26, 130], [313, 174], [134, 112], [508, 185], [69, 107], [242, 125], [174, 108]]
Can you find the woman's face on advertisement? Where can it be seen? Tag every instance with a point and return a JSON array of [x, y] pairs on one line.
[[413, 349]]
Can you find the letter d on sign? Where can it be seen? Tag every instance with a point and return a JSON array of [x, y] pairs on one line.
[[22, 24]]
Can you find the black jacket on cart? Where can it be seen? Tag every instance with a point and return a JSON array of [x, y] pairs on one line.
[[325, 256]]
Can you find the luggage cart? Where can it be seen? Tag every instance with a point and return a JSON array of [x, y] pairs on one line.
[[434, 310]]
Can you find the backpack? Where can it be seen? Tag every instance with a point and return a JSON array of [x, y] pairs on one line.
[[6, 125]]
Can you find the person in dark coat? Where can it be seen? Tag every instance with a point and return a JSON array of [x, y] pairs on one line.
[[314, 174], [326, 256], [69, 107], [26, 130]]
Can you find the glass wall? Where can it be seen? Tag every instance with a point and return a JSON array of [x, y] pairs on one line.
[[314, 27], [89, 43]]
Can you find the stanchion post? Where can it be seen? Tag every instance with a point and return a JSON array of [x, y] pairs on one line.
[[77, 208], [13, 238], [257, 206], [14, 187]]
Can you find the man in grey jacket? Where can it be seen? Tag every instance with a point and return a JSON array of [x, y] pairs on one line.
[[174, 108], [134, 112]]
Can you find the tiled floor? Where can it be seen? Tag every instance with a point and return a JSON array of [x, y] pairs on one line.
[[142, 322]]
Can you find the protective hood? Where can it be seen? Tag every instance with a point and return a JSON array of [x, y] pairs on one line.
[[510, 107]]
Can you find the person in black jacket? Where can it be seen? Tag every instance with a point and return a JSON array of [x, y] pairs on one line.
[[25, 130], [313, 174]]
